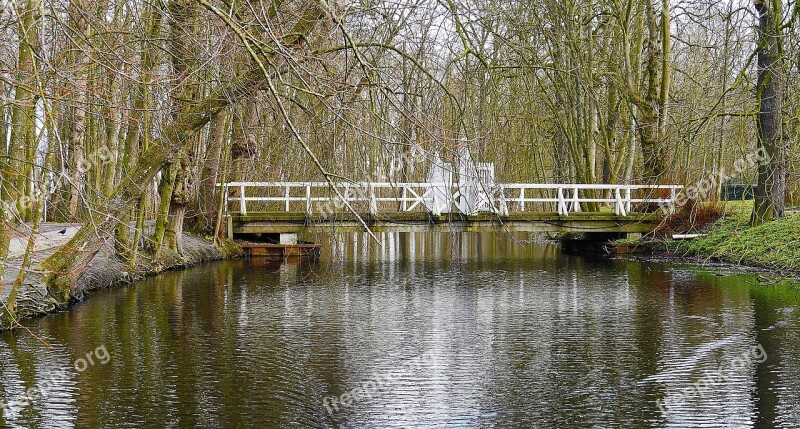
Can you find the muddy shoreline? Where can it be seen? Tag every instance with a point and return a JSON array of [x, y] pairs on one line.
[[108, 270], [656, 252]]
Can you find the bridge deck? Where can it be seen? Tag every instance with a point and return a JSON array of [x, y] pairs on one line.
[[301, 222]]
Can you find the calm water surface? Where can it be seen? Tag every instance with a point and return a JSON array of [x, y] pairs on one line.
[[430, 331]]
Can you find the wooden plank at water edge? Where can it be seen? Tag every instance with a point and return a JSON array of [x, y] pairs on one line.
[[281, 250]]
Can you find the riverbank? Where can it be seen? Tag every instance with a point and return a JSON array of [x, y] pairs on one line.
[[731, 241], [774, 245], [106, 269]]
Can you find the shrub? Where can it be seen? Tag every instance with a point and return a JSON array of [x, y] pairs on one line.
[[692, 217]]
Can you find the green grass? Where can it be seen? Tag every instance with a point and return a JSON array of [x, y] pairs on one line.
[[774, 245], [740, 208], [629, 241]]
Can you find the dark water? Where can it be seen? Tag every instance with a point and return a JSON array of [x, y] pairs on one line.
[[469, 331]]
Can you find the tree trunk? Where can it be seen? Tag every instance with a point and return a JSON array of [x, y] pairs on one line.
[[771, 190], [177, 206], [184, 15], [139, 131], [77, 142], [210, 174], [23, 111], [652, 105], [165, 189]]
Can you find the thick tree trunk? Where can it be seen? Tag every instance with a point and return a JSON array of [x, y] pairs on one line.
[[652, 105], [177, 206], [243, 138], [6, 93], [23, 111], [77, 142], [5, 241], [169, 224], [210, 174], [651, 123], [165, 188], [771, 190]]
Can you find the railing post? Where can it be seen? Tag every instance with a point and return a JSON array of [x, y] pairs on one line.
[[287, 199], [619, 204], [373, 203], [628, 200], [242, 201], [226, 190], [404, 204], [576, 202], [437, 210], [308, 199], [562, 204], [503, 203], [521, 204], [673, 198]]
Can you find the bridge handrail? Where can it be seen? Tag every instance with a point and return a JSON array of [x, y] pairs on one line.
[[584, 186], [423, 184], [439, 197], [326, 185]]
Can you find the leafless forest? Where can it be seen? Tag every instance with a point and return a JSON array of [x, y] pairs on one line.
[[121, 114]]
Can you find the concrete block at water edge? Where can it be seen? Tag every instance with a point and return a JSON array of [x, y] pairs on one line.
[[288, 238]]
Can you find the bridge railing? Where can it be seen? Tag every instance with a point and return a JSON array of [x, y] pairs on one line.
[[571, 198], [318, 197], [438, 198]]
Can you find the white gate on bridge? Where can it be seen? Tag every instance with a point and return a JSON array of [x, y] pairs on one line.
[[440, 176]]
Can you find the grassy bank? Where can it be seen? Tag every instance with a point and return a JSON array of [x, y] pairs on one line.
[[774, 245]]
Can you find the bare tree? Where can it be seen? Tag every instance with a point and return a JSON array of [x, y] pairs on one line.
[[771, 190]]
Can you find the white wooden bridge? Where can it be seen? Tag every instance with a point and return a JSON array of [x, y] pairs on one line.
[[292, 207]]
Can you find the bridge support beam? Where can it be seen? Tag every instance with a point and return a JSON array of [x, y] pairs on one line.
[[584, 222]]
